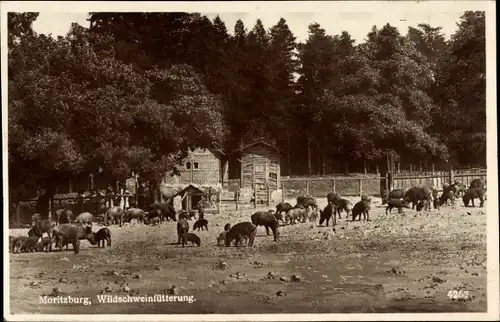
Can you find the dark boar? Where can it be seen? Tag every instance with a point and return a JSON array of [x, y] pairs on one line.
[[416, 194], [239, 231], [327, 213], [333, 197], [190, 237], [72, 233], [447, 195], [103, 235], [282, 207], [361, 208], [45, 244], [135, 213], [477, 183], [182, 227], [25, 244], [40, 227], [307, 201], [200, 224], [472, 194], [167, 211], [343, 205], [268, 220], [396, 203], [394, 194], [420, 205]]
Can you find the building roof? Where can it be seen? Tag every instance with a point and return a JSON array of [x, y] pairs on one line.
[[218, 152], [190, 186], [257, 142]]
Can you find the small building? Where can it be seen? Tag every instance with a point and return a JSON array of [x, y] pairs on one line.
[[260, 169], [188, 198], [202, 167]]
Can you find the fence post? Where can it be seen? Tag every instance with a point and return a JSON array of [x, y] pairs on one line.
[[268, 195], [451, 175], [254, 197], [18, 212], [51, 205], [282, 191], [219, 203], [236, 196], [360, 187], [307, 187], [333, 185], [434, 179]]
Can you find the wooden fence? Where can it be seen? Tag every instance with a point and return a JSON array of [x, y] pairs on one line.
[[20, 212], [291, 188], [375, 185], [320, 187], [241, 199], [438, 178]]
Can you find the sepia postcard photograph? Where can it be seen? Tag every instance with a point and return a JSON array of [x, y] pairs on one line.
[[250, 161]]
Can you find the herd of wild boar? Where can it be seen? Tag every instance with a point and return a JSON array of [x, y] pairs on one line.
[[65, 230]]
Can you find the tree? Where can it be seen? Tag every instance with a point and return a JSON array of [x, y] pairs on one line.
[[315, 57], [162, 40], [404, 74], [460, 91], [283, 65], [429, 41], [73, 108], [19, 25]]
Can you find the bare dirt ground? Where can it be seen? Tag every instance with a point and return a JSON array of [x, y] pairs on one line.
[[396, 263]]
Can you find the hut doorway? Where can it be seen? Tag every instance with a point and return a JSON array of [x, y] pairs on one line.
[[195, 199]]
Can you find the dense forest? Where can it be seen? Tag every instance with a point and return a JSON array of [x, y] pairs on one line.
[[134, 90]]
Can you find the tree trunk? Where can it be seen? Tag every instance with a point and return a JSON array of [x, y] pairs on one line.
[[388, 165], [309, 164], [42, 204], [51, 206], [289, 152], [316, 160], [323, 158], [364, 166], [44, 201], [156, 192]]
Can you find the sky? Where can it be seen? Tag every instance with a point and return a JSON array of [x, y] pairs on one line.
[[358, 24]]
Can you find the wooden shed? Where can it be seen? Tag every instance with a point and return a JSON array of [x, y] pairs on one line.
[[188, 198], [260, 169]]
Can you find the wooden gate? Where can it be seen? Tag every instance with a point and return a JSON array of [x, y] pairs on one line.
[[261, 194]]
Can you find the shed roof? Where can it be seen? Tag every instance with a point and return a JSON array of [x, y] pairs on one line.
[[262, 142], [190, 186]]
